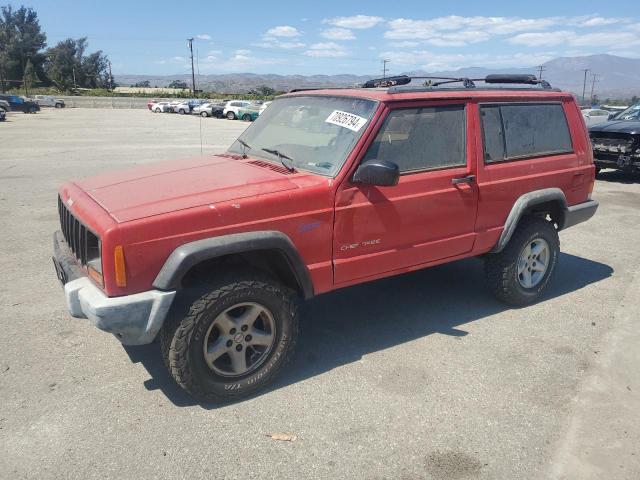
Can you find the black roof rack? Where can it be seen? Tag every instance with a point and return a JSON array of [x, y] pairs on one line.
[[401, 83]]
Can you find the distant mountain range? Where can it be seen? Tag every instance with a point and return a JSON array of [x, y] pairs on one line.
[[617, 77]]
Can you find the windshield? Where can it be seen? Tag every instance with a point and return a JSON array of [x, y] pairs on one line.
[[315, 133], [631, 113]]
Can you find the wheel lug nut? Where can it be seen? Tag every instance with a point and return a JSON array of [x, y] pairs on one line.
[[229, 343], [239, 348], [248, 338], [232, 331], [244, 328]]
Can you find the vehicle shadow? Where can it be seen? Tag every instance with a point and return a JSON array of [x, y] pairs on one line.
[[618, 176], [340, 327]]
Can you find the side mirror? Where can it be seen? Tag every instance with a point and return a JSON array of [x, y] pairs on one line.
[[377, 172]]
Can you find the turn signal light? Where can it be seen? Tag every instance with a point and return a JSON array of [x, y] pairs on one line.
[[120, 271]]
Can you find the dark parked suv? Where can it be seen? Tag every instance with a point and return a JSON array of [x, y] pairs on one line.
[[616, 143], [19, 104]]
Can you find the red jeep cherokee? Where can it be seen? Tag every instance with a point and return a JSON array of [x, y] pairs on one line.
[[328, 188]]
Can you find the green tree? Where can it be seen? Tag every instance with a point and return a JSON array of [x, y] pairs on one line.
[[21, 41], [178, 84], [68, 67], [143, 84]]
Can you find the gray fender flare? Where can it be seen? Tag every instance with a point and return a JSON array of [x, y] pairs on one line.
[[186, 256], [522, 204]]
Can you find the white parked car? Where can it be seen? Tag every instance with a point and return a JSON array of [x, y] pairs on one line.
[[594, 116], [231, 108], [160, 107], [48, 101], [263, 107]]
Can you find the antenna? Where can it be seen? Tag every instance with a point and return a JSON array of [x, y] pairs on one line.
[[194, 94], [384, 68]]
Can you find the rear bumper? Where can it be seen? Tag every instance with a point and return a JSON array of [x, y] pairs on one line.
[[133, 319], [579, 213]]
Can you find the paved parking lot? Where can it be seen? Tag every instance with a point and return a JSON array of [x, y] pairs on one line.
[[419, 376]]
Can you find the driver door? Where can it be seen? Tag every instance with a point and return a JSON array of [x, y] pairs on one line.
[[429, 215]]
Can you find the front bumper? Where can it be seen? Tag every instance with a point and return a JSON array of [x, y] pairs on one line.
[[134, 319]]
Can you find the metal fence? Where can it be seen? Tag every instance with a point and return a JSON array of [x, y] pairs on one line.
[[109, 102]]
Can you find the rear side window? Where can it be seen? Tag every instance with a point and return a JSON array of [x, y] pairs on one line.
[[422, 138], [521, 131]]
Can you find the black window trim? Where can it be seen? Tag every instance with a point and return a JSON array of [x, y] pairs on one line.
[[465, 110], [504, 137]]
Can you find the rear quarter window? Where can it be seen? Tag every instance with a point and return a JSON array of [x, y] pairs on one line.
[[520, 131]]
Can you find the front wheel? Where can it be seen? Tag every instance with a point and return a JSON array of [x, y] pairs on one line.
[[233, 339], [231, 115], [519, 274], [58, 105], [246, 117], [204, 114]]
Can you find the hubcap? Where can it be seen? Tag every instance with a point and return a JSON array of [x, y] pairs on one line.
[[239, 339], [533, 263]]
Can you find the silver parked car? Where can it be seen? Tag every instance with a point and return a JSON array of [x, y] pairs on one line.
[[48, 101]]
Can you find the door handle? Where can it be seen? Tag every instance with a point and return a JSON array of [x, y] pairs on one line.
[[467, 179]]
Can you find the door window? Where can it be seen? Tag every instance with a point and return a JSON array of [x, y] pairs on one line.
[[425, 138]]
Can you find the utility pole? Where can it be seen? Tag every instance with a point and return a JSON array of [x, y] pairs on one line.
[[593, 86], [384, 68], [110, 77], [540, 70], [73, 70], [584, 85], [193, 74]]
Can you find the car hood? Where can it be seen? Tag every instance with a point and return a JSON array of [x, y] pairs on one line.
[[617, 126], [170, 186]]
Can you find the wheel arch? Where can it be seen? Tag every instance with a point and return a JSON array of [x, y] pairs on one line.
[[540, 203], [269, 251]]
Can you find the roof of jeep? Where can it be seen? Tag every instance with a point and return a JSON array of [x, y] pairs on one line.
[[384, 95]]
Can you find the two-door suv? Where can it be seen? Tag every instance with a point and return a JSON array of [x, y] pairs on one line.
[[328, 188]]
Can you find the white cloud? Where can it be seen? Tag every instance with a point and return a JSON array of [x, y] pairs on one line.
[[203, 36], [338, 34], [356, 21], [573, 39], [242, 52], [275, 43], [283, 31], [326, 50], [595, 21]]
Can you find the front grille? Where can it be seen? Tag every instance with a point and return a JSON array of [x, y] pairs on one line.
[[79, 239]]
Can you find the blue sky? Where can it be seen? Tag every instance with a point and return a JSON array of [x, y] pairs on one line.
[[331, 37]]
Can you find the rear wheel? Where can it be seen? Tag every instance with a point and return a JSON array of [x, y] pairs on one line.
[[231, 115], [519, 274], [204, 114], [157, 110], [58, 105], [246, 117], [233, 338], [181, 111]]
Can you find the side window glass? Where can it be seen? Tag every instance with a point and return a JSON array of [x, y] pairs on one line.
[[422, 138], [492, 134], [519, 131]]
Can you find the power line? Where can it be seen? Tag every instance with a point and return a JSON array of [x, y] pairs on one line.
[[541, 68], [593, 86], [384, 67], [193, 74], [584, 85]]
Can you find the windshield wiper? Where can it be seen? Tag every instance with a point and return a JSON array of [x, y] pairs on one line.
[[245, 145], [281, 156]]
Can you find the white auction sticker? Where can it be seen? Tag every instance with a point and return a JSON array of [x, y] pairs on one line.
[[346, 120]]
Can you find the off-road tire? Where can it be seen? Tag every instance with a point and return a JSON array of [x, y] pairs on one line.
[[501, 268], [182, 336]]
